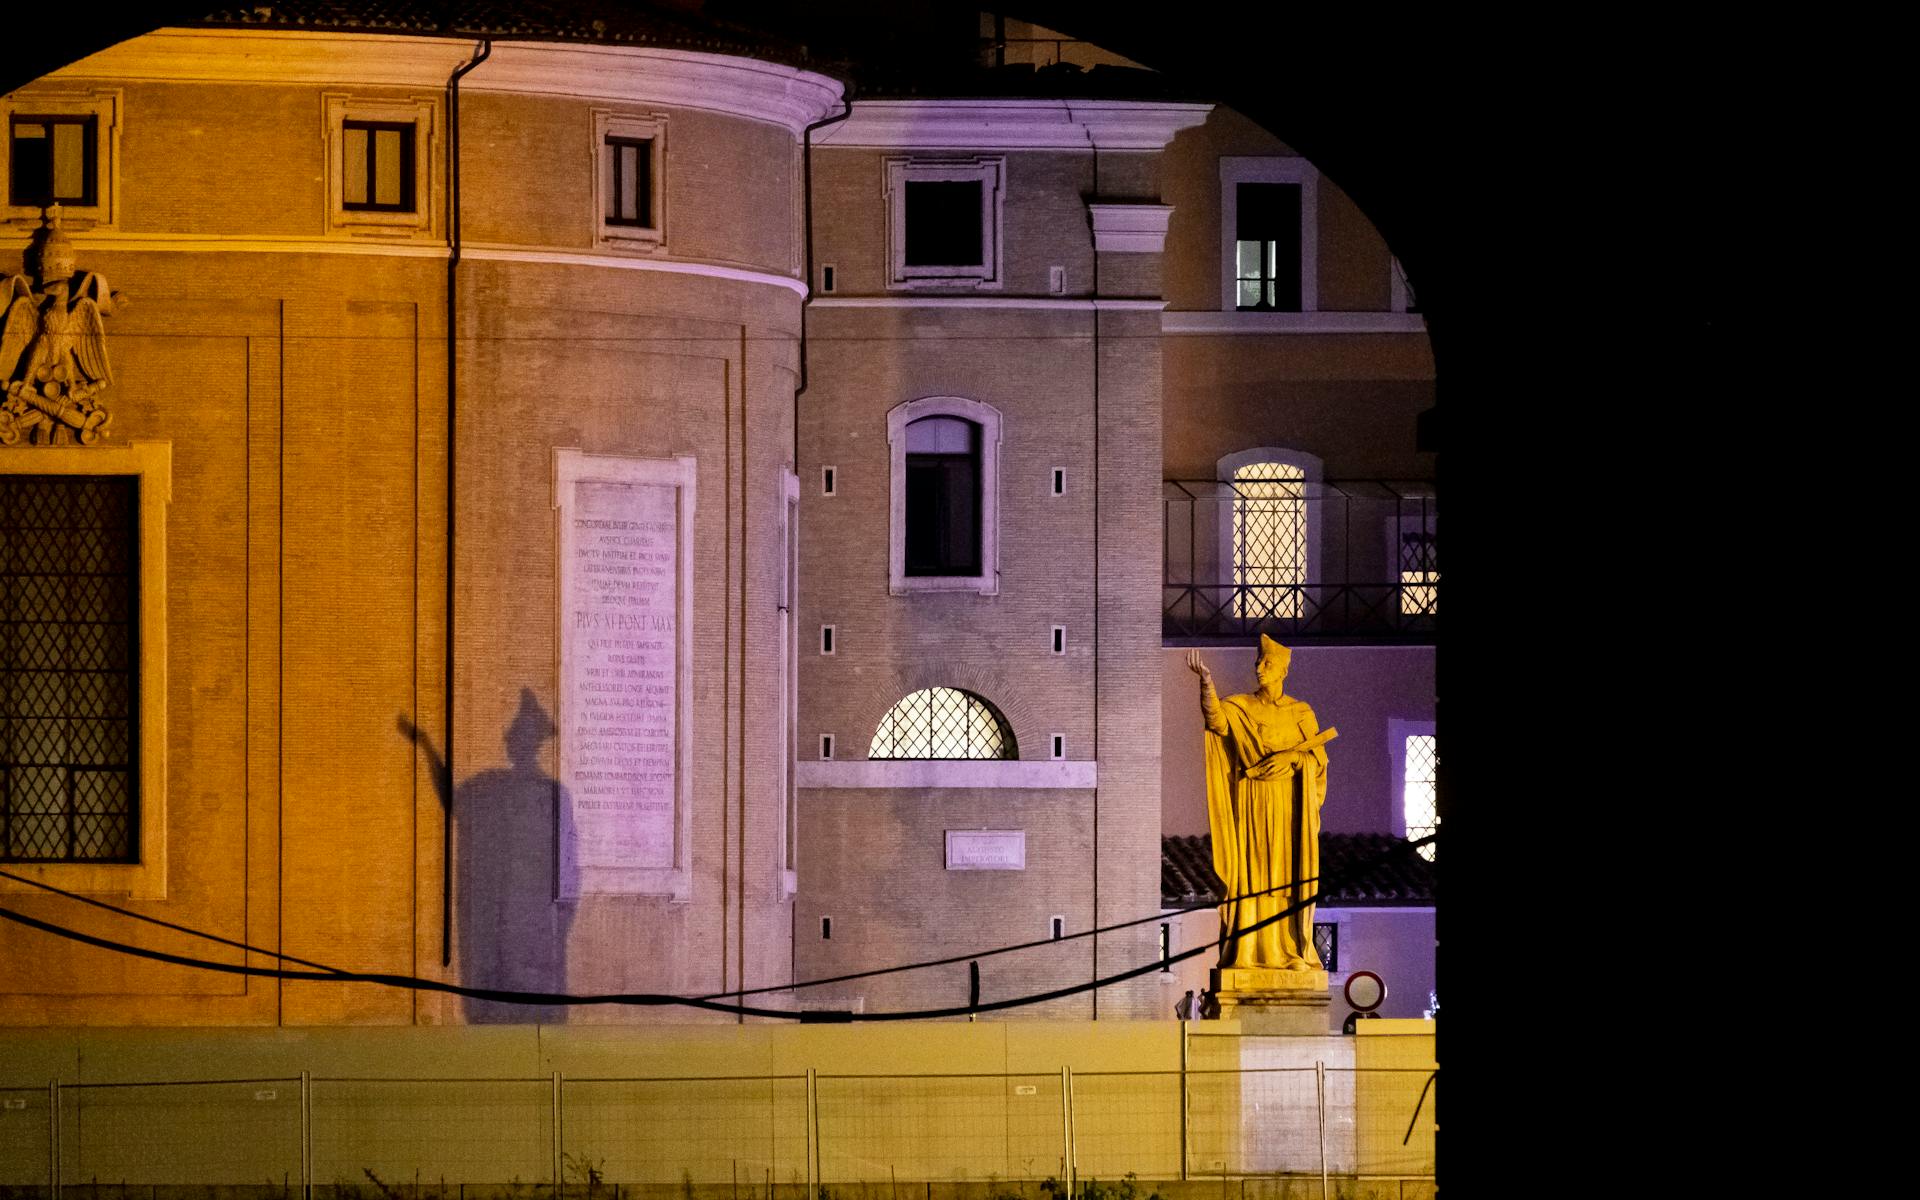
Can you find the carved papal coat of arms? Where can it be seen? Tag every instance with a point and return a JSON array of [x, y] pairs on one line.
[[53, 348]]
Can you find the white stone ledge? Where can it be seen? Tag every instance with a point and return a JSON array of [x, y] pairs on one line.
[[1130, 228], [736, 86], [1027, 124], [1041, 302], [944, 773], [1290, 322]]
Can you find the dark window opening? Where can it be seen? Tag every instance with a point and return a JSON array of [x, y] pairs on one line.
[[1059, 746], [826, 278], [69, 663], [1059, 482], [1059, 639], [54, 160], [630, 186], [1266, 248], [377, 171], [943, 497], [1166, 946], [826, 745], [826, 928], [826, 481], [826, 639], [1059, 928], [943, 223]]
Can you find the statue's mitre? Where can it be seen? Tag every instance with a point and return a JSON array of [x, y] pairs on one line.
[[1274, 650]]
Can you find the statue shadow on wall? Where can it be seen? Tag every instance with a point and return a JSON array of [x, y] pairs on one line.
[[510, 928]]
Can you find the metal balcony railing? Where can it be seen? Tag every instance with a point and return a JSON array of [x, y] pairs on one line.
[[1340, 560]]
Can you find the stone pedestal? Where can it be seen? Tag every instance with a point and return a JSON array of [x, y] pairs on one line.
[[1272, 1001]]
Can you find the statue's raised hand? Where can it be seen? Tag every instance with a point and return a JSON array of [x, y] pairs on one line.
[[1196, 666]]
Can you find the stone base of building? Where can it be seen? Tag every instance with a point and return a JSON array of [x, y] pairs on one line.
[[1273, 1001]]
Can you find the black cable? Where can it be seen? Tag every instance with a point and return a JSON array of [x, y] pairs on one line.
[[186, 929], [643, 999]]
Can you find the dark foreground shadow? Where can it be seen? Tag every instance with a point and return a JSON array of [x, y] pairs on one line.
[[510, 928]]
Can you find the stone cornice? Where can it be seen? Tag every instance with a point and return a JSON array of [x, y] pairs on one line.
[[740, 87], [1012, 124], [1130, 228]]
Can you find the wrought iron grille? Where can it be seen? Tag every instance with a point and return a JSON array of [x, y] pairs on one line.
[[1419, 572], [943, 722], [69, 621], [1269, 539], [1326, 940], [1422, 807], [1269, 552]]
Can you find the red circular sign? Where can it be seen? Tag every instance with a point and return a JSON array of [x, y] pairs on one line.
[[1372, 991]]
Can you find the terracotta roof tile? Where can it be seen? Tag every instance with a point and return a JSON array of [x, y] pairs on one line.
[[1361, 869]]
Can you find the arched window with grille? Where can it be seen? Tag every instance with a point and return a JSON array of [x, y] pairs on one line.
[[1270, 530], [943, 723]]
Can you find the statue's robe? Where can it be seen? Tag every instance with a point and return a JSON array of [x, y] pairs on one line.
[[1265, 817]]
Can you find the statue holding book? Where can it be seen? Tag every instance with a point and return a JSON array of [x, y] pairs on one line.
[[1266, 765]]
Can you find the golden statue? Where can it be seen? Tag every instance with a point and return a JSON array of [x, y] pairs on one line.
[[53, 348], [1266, 780]]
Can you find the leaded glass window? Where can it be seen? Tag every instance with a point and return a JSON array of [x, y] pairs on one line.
[[1422, 804], [1269, 539], [1419, 573], [943, 722], [1326, 941], [69, 624]]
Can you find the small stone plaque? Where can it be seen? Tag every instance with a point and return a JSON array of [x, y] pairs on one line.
[[986, 849]]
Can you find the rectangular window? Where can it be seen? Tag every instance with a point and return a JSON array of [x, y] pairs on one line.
[[69, 668], [1419, 573], [1057, 926], [1420, 794], [826, 481], [826, 639], [1326, 940], [943, 223], [1267, 246], [378, 166], [826, 928], [943, 497], [53, 159], [1059, 746], [1166, 946], [630, 181], [1059, 639], [826, 747], [1059, 481]]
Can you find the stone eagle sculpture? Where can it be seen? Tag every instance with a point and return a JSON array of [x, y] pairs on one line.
[[53, 348]]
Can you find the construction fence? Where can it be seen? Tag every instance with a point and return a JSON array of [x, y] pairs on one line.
[[1195, 1133]]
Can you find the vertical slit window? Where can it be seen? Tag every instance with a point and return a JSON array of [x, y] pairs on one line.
[[377, 168], [629, 166], [1267, 246], [69, 657], [54, 160], [1269, 540]]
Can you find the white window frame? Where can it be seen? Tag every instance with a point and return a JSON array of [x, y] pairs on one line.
[[425, 222], [104, 107], [1398, 731], [152, 463], [988, 418], [1312, 472], [652, 126], [991, 174], [1238, 170]]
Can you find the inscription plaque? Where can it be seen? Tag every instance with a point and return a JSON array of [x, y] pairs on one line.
[[625, 528], [986, 849]]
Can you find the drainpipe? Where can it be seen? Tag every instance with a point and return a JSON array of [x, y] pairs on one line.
[[806, 301], [453, 388]]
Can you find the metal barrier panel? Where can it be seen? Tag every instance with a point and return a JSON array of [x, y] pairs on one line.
[[1392, 1115], [241, 1133], [369, 1132], [1126, 1123], [747, 1134], [24, 1134], [1263, 1121], [939, 1128]]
